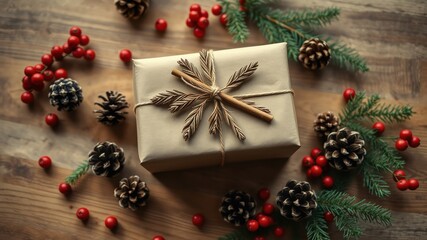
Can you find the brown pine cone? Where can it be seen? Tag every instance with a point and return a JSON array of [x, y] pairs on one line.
[[132, 9], [296, 200], [344, 149], [107, 159], [314, 54], [112, 108], [132, 193], [326, 123], [237, 207]]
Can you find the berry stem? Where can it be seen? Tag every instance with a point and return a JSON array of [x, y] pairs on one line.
[[77, 173]]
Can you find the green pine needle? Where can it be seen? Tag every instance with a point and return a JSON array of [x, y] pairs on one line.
[[316, 226], [307, 17], [77, 173], [236, 21]]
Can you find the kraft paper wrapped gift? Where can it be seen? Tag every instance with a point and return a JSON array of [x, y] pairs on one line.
[[161, 145]]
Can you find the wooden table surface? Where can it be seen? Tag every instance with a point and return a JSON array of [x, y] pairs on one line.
[[391, 35]]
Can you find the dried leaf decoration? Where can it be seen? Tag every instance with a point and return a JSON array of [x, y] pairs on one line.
[[208, 91]]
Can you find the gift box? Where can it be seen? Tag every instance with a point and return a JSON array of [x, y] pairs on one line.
[[161, 142]]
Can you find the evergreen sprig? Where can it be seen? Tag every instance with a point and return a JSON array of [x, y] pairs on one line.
[[77, 173], [293, 27], [316, 226]]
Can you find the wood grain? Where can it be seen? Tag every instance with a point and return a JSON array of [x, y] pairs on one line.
[[391, 35]]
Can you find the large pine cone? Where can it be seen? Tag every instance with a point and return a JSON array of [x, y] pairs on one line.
[[112, 106], [132, 9], [325, 123], [314, 54], [237, 207], [344, 149], [296, 200], [107, 159], [132, 193], [65, 94]]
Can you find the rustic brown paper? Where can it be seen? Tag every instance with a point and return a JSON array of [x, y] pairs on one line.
[[161, 146]]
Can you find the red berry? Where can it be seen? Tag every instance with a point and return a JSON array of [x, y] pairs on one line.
[[315, 152], [279, 231], [75, 31], [111, 222], [203, 22], [47, 59], [307, 161], [199, 32], [66, 48], [379, 127], [38, 87], [29, 71], [65, 188], [48, 75], [268, 208], [258, 216], [413, 184], [328, 216], [57, 51], [26, 83], [402, 184], [161, 25], [401, 144], [328, 182], [195, 7], [414, 142], [73, 41], [84, 40], [125, 55], [316, 171], [45, 162], [158, 237], [242, 8], [82, 214], [194, 16], [223, 19], [216, 9], [399, 174], [37, 79], [264, 194], [61, 73], [90, 55], [204, 13], [308, 173], [406, 134], [252, 225], [190, 23], [260, 238], [51, 119], [79, 52], [321, 161], [39, 68], [348, 94], [265, 221], [198, 219], [242, 2]]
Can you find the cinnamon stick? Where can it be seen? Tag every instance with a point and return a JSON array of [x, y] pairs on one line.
[[227, 98]]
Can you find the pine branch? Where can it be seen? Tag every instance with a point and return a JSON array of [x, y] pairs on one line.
[[77, 173], [348, 226], [316, 226], [348, 58], [374, 182], [236, 24], [307, 17]]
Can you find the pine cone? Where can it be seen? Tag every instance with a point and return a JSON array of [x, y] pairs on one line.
[[296, 200], [132, 9], [314, 54], [106, 159], [344, 149], [237, 207], [132, 193], [325, 123], [66, 94], [111, 113]]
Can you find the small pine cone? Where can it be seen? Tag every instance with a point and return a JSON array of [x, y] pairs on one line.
[[65, 94], [344, 149], [132, 193], [326, 123], [296, 200], [112, 106], [107, 159], [132, 9], [314, 54], [237, 207]]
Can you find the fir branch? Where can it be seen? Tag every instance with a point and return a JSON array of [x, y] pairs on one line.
[[77, 173], [308, 17], [348, 226], [236, 24], [348, 58], [316, 226]]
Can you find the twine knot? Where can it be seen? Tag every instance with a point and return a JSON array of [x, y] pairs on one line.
[[215, 91]]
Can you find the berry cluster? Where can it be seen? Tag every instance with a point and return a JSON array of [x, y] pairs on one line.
[[217, 11], [406, 139], [316, 163], [198, 20], [402, 184]]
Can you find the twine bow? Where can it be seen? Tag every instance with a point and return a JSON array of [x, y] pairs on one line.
[[209, 91]]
